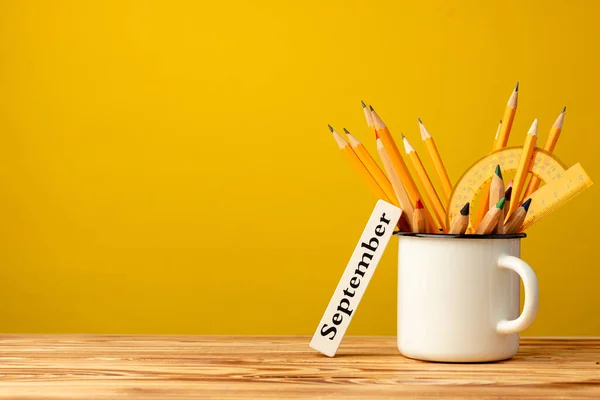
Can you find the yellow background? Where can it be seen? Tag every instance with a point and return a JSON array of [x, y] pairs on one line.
[[166, 166]]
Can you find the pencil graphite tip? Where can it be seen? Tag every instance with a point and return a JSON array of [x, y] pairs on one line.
[[500, 203], [419, 204], [362, 103], [330, 128], [517, 87], [508, 193], [421, 122], [346, 131], [465, 210], [376, 135], [371, 108], [564, 110], [526, 204], [498, 172], [402, 134]]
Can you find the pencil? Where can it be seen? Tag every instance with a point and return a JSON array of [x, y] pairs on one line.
[[523, 167], [491, 219], [397, 161], [497, 132], [500, 143], [496, 193], [372, 167], [437, 161], [418, 221], [460, 222], [398, 164], [399, 189], [368, 116], [513, 225], [358, 165], [509, 117], [432, 197], [534, 182], [508, 195]]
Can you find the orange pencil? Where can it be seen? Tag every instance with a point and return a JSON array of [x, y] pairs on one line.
[[500, 143], [397, 161], [432, 197], [399, 165], [372, 167], [509, 116], [358, 165], [497, 133], [399, 190], [534, 182], [436, 159], [523, 168]]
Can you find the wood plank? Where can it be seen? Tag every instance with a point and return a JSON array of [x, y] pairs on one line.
[[233, 367]]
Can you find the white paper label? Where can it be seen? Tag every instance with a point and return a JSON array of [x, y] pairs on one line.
[[356, 278]]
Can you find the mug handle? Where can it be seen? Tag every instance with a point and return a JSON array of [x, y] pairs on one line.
[[531, 295]]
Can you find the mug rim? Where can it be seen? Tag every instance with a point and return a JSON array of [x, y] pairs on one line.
[[460, 236]]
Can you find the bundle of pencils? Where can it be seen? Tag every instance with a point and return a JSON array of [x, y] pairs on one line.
[[502, 209]]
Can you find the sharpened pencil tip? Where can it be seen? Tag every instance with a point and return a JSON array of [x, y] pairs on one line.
[[517, 87], [526, 204], [371, 108], [362, 103], [330, 128], [498, 171], [565, 109], [346, 131], [508, 193], [510, 183], [402, 134], [465, 210], [376, 135], [500, 203], [419, 204], [421, 122]]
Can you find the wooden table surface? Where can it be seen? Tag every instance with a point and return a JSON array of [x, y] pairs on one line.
[[243, 367]]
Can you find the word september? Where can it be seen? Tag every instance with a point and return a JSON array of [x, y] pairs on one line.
[[356, 277]]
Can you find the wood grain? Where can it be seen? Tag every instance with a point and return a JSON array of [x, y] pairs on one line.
[[229, 367]]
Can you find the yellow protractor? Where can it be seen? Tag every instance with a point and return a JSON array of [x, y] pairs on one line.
[[561, 184]]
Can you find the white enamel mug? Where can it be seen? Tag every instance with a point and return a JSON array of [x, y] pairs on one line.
[[458, 296]]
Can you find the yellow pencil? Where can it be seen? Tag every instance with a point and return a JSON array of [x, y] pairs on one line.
[[368, 116], [497, 133], [437, 161], [534, 182], [523, 167], [509, 117], [399, 189], [372, 167], [358, 165], [397, 161], [432, 197], [500, 143]]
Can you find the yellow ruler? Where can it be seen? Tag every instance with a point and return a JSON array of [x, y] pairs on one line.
[[553, 195], [545, 166]]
